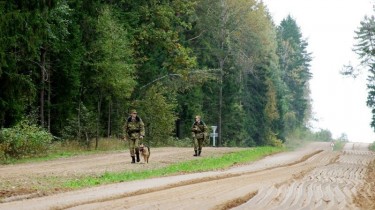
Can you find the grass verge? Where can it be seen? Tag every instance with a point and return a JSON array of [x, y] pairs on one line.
[[198, 165]]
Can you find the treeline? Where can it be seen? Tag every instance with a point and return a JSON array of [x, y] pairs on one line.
[[76, 67]]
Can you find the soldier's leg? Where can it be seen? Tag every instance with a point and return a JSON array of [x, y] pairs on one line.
[[136, 145], [131, 149], [195, 142], [200, 143]]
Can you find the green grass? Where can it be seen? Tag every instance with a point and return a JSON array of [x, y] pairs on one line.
[[71, 148], [372, 146], [198, 165], [339, 145]]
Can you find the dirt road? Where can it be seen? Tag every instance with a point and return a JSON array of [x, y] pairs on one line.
[[311, 178]]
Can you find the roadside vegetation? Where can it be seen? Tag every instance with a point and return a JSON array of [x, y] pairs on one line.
[[372, 146], [339, 145]]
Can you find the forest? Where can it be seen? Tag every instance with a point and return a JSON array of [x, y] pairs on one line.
[[72, 70]]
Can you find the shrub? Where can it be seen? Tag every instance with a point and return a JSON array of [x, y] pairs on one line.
[[24, 140], [372, 146]]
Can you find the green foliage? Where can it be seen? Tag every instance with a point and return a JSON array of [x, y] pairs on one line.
[[224, 60], [157, 111], [24, 140], [323, 135], [113, 66], [294, 63], [156, 26], [17, 45], [365, 48], [372, 146], [69, 148], [339, 145], [320, 135], [235, 134], [176, 142], [301, 136], [81, 127], [239, 38]]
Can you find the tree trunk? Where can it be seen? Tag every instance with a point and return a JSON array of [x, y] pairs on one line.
[[98, 121], [79, 120], [42, 83], [220, 103], [109, 118], [87, 140], [49, 101]]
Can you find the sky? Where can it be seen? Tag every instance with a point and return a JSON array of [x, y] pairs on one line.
[[338, 102]]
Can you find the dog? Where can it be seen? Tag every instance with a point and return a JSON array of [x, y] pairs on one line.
[[145, 152]]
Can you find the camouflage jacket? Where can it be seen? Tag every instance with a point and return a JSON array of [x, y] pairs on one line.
[[134, 128], [199, 130]]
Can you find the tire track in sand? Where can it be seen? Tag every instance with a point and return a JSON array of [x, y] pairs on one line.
[[331, 186]]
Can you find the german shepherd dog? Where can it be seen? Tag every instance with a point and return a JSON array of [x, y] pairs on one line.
[[145, 152]]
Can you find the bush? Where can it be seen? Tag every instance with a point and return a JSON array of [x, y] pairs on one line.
[[372, 146], [24, 140]]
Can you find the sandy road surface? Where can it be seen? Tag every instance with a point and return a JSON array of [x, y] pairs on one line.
[[29, 180], [310, 178]]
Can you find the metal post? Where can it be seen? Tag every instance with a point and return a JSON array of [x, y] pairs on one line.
[[213, 134]]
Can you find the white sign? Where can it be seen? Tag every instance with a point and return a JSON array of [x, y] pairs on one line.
[[213, 134]]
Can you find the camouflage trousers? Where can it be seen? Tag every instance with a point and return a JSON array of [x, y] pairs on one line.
[[133, 146], [198, 143]]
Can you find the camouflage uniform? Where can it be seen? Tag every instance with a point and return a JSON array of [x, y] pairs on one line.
[[199, 134], [134, 131]]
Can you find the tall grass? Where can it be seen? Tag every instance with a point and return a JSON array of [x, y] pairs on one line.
[[62, 149], [198, 165]]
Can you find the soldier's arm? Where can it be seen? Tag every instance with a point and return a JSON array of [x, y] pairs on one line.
[[193, 135], [193, 130], [125, 128], [205, 128]]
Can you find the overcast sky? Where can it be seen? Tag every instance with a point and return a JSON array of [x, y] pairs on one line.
[[339, 104]]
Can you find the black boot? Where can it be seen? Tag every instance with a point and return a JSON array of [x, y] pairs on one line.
[[195, 153], [137, 154], [199, 152], [133, 159]]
